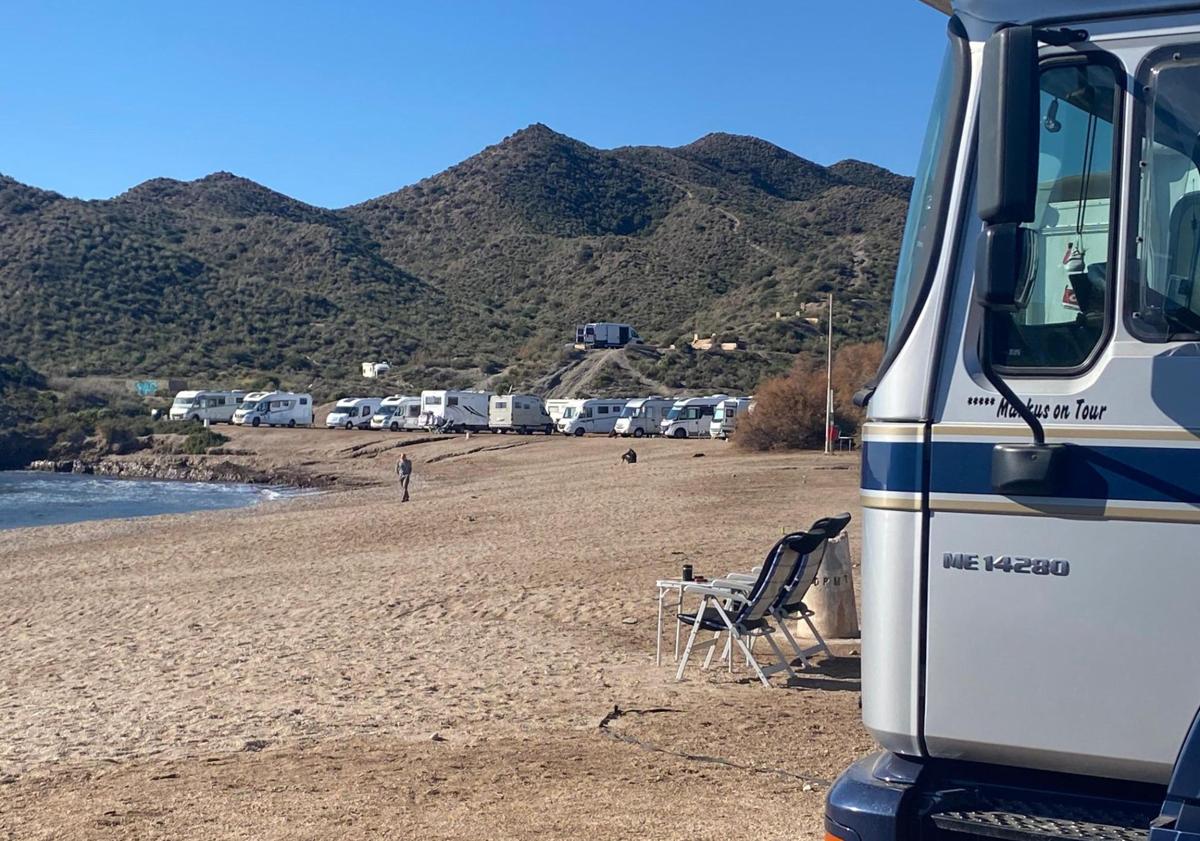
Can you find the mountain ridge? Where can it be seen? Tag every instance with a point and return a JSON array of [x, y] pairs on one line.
[[485, 265]]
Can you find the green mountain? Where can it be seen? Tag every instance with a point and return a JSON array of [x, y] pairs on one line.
[[481, 270]]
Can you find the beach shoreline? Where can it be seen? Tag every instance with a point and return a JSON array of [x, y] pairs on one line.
[[344, 665]]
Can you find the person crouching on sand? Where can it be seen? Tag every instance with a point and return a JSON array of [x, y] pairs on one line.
[[404, 471]]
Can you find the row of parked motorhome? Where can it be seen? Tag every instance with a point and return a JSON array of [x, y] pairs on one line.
[[451, 410], [252, 408]]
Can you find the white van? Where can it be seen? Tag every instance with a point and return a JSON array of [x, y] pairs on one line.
[[691, 417], [353, 413], [602, 334], [454, 411], [397, 412], [726, 414], [594, 415], [211, 406], [275, 408], [524, 413], [643, 416], [555, 407]]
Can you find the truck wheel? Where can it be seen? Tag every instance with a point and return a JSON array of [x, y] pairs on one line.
[[292, 423], [395, 427], [638, 432], [680, 433], [549, 429], [195, 418], [579, 432], [255, 422], [349, 424]]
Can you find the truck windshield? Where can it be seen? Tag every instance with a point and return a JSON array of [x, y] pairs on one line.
[[674, 413], [630, 412], [183, 401], [569, 412], [927, 205]]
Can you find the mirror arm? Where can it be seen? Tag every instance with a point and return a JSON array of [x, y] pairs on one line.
[[998, 383]]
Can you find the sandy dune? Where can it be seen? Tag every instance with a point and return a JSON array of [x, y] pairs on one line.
[[343, 666]]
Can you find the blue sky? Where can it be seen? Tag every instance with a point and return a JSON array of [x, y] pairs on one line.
[[334, 103]]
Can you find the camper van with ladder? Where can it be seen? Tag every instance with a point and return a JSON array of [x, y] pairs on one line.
[[1031, 457]]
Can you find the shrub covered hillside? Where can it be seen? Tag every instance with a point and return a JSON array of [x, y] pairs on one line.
[[480, 268]]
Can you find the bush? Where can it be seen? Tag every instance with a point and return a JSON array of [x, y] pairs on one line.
[[201, 441], [789, 411]]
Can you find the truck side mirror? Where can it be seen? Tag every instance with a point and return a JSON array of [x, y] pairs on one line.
[[1005, 267], [1008, 126]]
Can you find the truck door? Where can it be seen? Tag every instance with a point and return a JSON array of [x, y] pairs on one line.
[[1037, 605]]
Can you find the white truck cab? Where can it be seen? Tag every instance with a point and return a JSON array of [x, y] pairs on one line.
[[726, 414], [643, 416], [352, 413], [211, 406], [397, 412], [690, 417], [595, 415], [1031, 460], [275, 408]]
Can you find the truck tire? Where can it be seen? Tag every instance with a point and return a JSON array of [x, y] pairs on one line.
[[395, 427], [680, 433], [579, 432], [349, 424], [638, 432], [292, 423], [548, 429], [195, 418], [255, 422]]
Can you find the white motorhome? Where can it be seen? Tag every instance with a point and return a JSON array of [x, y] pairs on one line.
[[524, 413], [596, 415], [603, 334], [726, 414], [398, 412], [1030, 462], [352, 413], [691, 417], [275, 408], [555, 407], [447, 410], [211, 406], [643, 416]]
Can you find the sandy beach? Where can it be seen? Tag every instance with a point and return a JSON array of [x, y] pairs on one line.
[[344, 666]]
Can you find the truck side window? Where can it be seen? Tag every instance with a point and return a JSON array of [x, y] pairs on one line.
[[1068, 306], [1165, 299]]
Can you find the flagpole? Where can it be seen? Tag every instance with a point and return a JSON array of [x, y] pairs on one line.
[[829, 379]]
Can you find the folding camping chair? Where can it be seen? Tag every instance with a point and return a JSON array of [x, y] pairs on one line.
[[790, 604], [743, 613]]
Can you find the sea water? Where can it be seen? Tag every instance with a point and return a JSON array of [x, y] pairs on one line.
[[30, 498]]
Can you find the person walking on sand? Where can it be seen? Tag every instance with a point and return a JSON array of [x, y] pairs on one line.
[[404, 471]]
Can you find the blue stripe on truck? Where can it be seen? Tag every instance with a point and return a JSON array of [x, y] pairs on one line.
[[1144, 474]]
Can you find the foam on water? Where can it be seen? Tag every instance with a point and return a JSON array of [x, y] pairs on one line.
[[35, 499]]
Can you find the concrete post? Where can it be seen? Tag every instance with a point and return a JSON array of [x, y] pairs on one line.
[[831, 596]]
